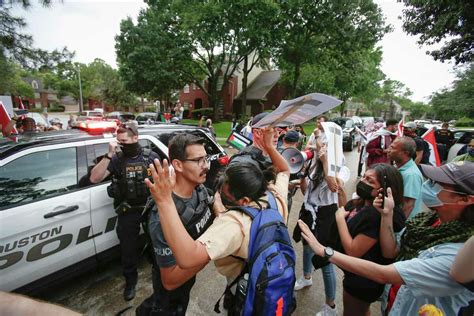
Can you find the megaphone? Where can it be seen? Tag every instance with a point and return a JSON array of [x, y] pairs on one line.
[[296, 158]]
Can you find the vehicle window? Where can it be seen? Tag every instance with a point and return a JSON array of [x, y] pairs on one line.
[[94, 154], [37, 176], [465, 137], [211, 148], [340, 122]]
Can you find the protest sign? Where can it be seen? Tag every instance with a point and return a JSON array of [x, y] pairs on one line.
[[335, 155], [299, 110]]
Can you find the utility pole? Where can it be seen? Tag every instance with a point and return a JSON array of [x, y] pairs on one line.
[[81, 106]]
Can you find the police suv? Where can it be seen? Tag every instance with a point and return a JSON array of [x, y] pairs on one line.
[[53, 222]]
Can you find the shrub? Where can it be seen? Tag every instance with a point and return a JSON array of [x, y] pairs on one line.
[[200, 112], [150, 109], [465, 122], [365, 113], [57, 108]]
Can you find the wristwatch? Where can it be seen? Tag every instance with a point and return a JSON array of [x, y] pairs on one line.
[[106, 156], [328, 252]]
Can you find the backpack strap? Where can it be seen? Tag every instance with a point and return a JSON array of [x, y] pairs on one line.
[[272, 201]]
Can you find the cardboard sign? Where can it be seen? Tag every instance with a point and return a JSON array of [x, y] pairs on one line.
[[299, 110], [335, 154]]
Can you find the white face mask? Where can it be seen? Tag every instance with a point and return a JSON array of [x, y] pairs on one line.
[[429, 193]]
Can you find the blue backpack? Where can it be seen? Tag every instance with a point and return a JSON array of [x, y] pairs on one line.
[[270, 266]]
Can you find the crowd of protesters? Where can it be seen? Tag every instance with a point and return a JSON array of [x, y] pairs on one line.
[[404, 238], [406, 245], [410, 242]]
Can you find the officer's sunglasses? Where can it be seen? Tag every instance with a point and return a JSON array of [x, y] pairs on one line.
[[201, 161]]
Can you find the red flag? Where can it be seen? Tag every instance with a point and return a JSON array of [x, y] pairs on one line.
[[5, 119], [400, 127], [429, 137]]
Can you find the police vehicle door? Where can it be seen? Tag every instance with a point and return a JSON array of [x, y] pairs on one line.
[[44, 215]]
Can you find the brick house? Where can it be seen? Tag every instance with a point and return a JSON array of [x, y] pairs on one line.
[[43, 98], [263, 93]]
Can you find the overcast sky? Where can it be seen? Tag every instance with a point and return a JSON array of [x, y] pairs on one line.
[[88, 27]]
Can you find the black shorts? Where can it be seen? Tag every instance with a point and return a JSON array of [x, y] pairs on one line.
[[368, 295]]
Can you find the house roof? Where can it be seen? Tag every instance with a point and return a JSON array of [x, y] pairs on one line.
[[264, 82]]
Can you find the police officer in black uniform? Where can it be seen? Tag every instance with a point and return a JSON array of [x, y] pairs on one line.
[[172, 284], [127, 162]]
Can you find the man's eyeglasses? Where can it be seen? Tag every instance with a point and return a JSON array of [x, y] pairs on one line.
[[201, 161]]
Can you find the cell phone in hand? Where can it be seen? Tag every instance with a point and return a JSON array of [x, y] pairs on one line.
[[384, 190]]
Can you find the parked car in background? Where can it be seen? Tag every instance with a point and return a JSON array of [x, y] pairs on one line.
[[367, 119], [120, 117], [149, 118], [348, 132], [93, 113], [358, 121]]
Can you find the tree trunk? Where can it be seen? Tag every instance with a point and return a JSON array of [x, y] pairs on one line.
[[212, 82], [244, 86], [296, 77], [342, 107]]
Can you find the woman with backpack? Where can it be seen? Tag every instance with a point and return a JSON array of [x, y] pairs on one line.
[[359, 234], [228, 239]]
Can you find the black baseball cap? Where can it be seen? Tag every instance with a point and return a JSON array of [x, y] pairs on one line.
[[292, 137], [459, 173]]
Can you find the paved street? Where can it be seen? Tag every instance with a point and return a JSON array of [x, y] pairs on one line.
[[100, 292]]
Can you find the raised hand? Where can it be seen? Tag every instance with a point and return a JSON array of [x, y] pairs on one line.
[[163, 182]]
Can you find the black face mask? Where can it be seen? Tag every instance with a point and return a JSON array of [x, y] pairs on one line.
[[131, 150], [364, 191]]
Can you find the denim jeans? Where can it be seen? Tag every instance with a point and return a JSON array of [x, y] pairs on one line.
[[329, 275]]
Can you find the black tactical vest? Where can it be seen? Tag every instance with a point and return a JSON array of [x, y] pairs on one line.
[[196, 221], [130, 182]]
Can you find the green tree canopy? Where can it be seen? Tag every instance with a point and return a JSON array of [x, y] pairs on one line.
[[334, 33], [458, 100], [447, 22]]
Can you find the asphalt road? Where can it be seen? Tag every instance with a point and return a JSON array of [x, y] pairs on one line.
[[100, 292]]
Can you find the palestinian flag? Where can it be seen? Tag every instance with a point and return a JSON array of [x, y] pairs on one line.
[[238, 141]]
